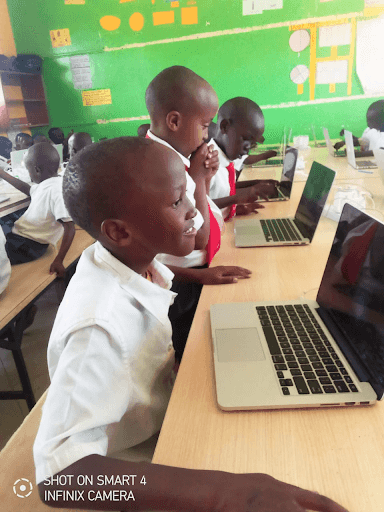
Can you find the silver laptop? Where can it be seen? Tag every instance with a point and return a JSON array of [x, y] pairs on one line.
[[361, 164], [328, 352], [275, 162], [317, 144], [331, 150], [379, 157], [298, 230], [284, 188]]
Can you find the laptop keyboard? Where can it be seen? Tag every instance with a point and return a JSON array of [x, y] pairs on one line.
[[279, 230], [304, 360]]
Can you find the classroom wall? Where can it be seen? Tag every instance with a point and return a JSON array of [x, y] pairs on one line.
[[129, 41]]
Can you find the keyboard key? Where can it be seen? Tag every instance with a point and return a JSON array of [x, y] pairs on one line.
[[292, 364], [290, 358], [302, 360], [300, 353], [318, 366], [306, 367], [280, 375], [335, 376], [341, 386], [286, 382], [329, 389], [311, 351], [343, 371], [309, 375], [314, 358], [321, 373], [280, 366], [331, 368], [285, 391], [315, 387], [278, 359], [327, 360], [301, 386], [353, 388], [271, 340], [295, 371], [284, 344], [325, 380], [348, 379], [287, 351]]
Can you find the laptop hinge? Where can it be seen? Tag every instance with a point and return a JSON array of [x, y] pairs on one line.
[[343, 343]]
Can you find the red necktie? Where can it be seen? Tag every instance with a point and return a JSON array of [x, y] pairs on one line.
[[232, 186]]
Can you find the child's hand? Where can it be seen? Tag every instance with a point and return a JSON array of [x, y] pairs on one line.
[[264, 189], [270, 154], [58, 268], [339, 144], [223, 275], [198, 170], [212, 160], [246, 209]]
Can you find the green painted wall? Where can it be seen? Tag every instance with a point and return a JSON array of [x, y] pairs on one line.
[[256, 64]]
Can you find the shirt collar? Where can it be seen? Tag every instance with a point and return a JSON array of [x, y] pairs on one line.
[[223, 159], [151, 295], [161, 141]]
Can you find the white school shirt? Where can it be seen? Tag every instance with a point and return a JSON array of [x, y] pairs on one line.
[[220, 182], [375, 138], [110, 361], [5, 265], [197, 257], [40, 221]]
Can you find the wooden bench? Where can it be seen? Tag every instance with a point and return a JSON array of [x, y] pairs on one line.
[[29, 281]]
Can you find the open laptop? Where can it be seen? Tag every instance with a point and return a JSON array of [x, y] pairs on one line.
[[328, 352], [351, 157], [317, 144], [379, 157], [17, 158], [284, 188], [275, 162], [290, 231]]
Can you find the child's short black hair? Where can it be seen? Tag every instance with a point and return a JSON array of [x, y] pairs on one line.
[[56, 135], [24, 136], [97, 177], [239, 108], [375, 116], [173, 88]]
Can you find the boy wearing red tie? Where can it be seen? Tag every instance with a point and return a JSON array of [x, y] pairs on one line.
[[181, 106], [240, 127]]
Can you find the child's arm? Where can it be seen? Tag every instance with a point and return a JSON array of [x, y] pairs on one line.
[[212, 275], [57, 264], [199, 173], [171, 488], [249, 194], [253, 159], [15, 182]]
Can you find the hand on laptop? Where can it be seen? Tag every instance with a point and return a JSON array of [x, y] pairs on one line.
[[222, 275], [263, 189], [339, 144], [246, 209]]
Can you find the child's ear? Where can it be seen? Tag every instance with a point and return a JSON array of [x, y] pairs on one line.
[[224, 125], [116, 232], [173, 120]]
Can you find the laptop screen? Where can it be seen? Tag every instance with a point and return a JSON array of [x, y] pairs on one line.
[[352, 289], [313, 200], [350, 148], [289, 167]]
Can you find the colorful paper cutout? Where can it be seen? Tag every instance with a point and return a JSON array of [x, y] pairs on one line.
[[74, 2], [136, 21], [163, 18], [110, 22], [99, 97], [60, 37], [189, 15]]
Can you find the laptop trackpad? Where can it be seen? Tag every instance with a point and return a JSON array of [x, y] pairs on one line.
[[235, 345]]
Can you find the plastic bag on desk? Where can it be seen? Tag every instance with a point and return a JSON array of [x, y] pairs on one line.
[[348, 194]]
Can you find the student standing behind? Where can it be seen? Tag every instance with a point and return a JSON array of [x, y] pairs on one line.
[[240, 126], [181, 106], [110, 356], [77, 142], [46, 218]]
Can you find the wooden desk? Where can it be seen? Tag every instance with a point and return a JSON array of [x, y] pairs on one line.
[[338, 452]]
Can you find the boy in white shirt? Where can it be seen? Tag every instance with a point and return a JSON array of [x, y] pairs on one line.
[[181, 105], [46, 220], [373, 136], [77, 142], [110, 355], [240, 127]]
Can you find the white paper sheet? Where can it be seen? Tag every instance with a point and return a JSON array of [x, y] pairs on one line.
[[335, 35], [370, 56], [332, 72]]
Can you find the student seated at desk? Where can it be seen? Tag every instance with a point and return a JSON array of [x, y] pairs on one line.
[[46, 218], [23, 141], [78, 141], [181, 106], [373, 136], [110, 354], [240, 126], [5, 265], [57, 137]]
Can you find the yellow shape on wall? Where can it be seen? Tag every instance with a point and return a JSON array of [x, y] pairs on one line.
[[174, 4], [123, 1], [74, 2], [163, 18], [332, 88], [136, 21], [60, 37], [99, 97], [300, 88], [189, 15], [110, 22]]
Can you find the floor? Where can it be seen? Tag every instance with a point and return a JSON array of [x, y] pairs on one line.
[[34, 348]]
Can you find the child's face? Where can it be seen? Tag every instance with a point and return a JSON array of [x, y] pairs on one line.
[[164, 223], [194, 127], [241, 136]]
